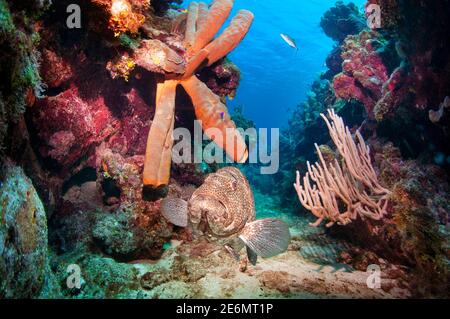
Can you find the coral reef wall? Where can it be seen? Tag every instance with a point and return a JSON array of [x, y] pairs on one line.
[[76, 106], [391, 84], [19, 61]]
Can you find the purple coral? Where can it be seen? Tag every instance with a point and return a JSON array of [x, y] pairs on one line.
[[222, 78]]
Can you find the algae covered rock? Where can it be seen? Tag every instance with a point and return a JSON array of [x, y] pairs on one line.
[[23, 236], [113, 234], [131, 233], [101, 277]]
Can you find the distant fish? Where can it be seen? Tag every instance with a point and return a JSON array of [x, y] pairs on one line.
[[223, 209], [435, 116], [289, 41]]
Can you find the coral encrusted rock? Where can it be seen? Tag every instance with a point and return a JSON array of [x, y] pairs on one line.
[[23, 236], [341, 21], [69, 126], [364, 71]]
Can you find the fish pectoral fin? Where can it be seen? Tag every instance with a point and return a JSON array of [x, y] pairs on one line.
[[232, 252], [252, 256], [266, 237], [175, 210]]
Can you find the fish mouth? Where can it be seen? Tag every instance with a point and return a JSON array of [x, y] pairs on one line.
[[203, 227], [209, 215]]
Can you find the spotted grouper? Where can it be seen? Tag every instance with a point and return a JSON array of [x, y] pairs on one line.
[[223, 210]]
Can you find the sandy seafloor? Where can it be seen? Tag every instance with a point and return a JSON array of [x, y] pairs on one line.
[[203, 270]]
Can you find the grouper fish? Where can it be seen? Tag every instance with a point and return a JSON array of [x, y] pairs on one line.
[[223, 210]]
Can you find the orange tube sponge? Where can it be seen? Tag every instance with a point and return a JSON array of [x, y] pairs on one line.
[[158, 156], [214, 114], [202, 15], [195, 63], [191, 25], [201, 26], [231, 37], [217, 15]]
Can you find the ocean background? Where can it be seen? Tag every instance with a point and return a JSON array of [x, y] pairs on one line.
[[276, 78]]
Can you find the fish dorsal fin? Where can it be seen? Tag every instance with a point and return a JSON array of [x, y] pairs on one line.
[[175, 210], [266, 237]]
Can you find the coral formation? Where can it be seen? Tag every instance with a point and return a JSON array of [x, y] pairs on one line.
[[341, 20], [23, 236], [87, 130], [61, 121], [222, 78], [412, 233], [136, 230], [76, 108], [201, 26], [123, 19], [353, 183], [19, 62], [364, 72], [383, 77], [121, 68], [397, 68]]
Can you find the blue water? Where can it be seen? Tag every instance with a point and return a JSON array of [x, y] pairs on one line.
[[274, 77]]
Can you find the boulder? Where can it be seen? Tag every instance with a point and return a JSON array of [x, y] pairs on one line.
[[23, 236]]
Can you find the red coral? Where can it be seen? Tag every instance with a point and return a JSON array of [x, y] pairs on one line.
[[415, 82], [131, 139], [346, 87], [364, 72], [222, 78], [71, 125], [54, 70]]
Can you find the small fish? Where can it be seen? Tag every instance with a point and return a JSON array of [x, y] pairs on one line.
[[289, 41], [223, 210], [435, 116], [222, 114]]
